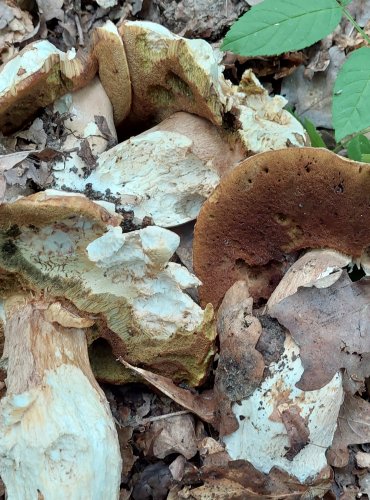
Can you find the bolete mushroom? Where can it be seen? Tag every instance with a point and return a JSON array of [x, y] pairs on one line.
[[65, 265], [58, 438], [123, 278], [36, 77], [270, 207]]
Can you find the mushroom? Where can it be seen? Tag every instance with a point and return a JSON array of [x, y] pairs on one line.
[[124, 278], [37, 76], [165, 173], [66, 267], [270, 207], [113, 69], [58, 438]]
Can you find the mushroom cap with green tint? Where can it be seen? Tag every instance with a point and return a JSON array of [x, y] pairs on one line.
[[71, 248]]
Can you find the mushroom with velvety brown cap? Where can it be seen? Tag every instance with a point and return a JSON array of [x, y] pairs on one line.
[[270, 207]]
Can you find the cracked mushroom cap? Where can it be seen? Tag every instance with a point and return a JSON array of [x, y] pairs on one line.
[[270, 207], [36, 77], [75, 250], [170, 73]]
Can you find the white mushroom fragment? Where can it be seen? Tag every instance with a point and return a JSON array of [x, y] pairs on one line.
[[58, 438], [264, 124], [155, 174]]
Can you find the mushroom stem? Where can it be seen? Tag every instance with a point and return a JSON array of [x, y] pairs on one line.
[[57, 435]]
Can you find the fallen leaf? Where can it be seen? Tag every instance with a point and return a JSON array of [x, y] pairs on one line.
[[353, 424], [153, 483], [332, 328], [363, 459], [240, 367], [202, 405]]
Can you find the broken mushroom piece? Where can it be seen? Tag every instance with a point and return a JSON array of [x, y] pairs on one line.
[[36, 77], [262, 123], [270, 207], [76, 250], [89, 130], [57, 430], [163, 173]]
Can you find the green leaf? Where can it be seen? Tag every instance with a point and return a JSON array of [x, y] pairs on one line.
[[357, 147], [315, 137], [352, 95], [276, 26], [365, 158]]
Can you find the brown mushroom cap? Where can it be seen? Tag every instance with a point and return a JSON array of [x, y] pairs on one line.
[[273, 205], [113, 69]]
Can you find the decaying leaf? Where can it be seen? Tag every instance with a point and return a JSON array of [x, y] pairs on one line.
[[332, 327], [173, 434], [204, 406], [240, 368], [353, 424], [239, 480]]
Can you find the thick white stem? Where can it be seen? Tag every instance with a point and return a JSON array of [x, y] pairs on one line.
[[57, 435]]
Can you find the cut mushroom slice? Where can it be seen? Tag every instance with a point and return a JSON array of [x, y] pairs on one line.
[[270, 207], [37, 76], [161, 174], [170, 73], [75, 249]]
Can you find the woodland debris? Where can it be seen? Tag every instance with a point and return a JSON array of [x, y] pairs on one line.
[[15, 26]]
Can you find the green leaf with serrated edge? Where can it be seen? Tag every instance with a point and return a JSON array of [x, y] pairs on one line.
[[357, 147], [365, 158], [315, 137], [277, 26], [352, 95]]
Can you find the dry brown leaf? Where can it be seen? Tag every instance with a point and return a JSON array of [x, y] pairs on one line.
[[353, 424], [174, 434], [240, 368], [242, 480], [15, 26], [331, 327], [202, 405]]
